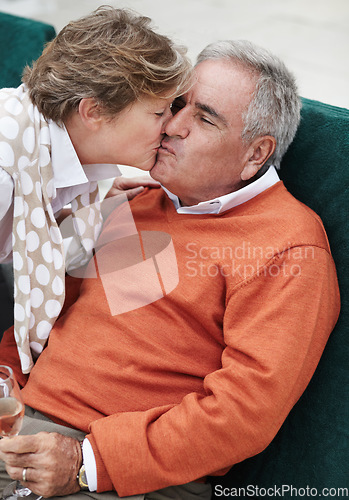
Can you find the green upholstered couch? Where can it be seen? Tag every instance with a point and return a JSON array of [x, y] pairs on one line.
[[312, 447], [21, 42]]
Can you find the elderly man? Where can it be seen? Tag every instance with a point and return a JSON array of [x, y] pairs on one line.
[[187, 383]]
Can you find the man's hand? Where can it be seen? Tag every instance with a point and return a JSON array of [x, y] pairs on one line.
[[52, 461], [131, 186]]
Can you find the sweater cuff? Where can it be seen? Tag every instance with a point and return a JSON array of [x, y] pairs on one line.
[[103, 480], [124, 448]]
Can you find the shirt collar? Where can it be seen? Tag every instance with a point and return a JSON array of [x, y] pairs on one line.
[[66, 166], [227, 201]]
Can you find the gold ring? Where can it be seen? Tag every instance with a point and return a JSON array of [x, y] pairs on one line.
[[24, 475]]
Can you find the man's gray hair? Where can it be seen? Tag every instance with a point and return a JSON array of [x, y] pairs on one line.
[[275, 106]]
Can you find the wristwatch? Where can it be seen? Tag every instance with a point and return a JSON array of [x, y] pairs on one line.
[[81, 477]]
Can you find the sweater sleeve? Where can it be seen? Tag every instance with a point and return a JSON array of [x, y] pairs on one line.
[[275, 328]]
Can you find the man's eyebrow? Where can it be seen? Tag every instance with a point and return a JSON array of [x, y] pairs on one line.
[[211, 111]]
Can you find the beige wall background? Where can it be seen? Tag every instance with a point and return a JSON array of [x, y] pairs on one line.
[[311, 36]]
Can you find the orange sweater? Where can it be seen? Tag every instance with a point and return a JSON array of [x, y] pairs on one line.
[[203, 377]]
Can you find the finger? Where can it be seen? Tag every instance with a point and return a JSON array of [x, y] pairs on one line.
[[19, 444], [30, 474], [131, 193], [146, 181], [38, 481], [20, 460], [116, 192], [52, 469], [42, 481], [17, 473], [125, 183]]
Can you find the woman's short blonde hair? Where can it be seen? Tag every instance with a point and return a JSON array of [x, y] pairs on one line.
[[112, 55]]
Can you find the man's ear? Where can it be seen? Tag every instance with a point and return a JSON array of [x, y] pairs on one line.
[[90, 113], [258, 153]]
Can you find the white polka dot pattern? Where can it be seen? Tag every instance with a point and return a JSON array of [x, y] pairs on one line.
[[38, 257]]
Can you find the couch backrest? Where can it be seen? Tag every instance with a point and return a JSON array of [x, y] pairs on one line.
[[21, 42]]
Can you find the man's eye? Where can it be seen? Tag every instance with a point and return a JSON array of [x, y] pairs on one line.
[[205, 120], [160, 113]]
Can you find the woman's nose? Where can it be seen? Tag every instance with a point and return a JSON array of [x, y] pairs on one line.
[[167, 116]]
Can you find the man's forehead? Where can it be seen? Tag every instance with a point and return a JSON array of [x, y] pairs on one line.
[[222, 85], [207, 83], [206, 89], [215, 74]]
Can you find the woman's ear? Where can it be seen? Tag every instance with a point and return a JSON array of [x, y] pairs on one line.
[[258, 153], [90, 113]]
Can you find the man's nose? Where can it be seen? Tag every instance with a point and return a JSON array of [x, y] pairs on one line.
[[178, 125]]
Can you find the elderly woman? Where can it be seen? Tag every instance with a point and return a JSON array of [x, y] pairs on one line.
[[100, 94]]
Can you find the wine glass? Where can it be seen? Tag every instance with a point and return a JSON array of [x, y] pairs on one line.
[[11, 418]]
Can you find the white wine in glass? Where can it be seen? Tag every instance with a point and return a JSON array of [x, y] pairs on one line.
[[11, 418]]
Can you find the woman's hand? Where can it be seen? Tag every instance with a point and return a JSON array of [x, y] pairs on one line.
[[131, 186], [52, 462]]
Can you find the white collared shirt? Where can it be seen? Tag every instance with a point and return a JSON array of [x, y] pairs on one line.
[[230, 200], [70, 180]]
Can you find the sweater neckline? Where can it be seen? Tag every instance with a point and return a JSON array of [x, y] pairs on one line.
[[173, 215]]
